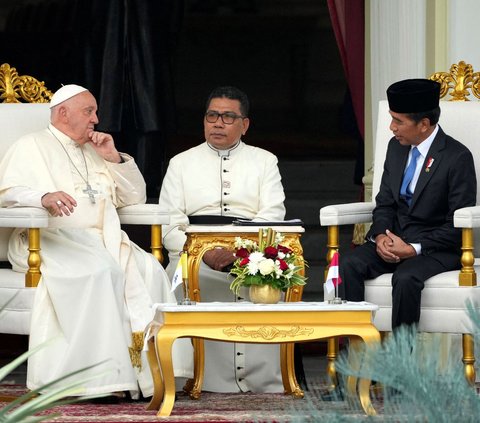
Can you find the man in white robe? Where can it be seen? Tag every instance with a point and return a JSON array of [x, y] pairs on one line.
[[97, 287], [224, 178]]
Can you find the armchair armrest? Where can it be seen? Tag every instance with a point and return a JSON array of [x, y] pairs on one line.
[[23, 217], [143, 214], [147, 214], [342, 214], [346, 214], [467, 218], [33, 219]]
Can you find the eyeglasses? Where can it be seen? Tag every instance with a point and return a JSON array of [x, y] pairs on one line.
[[227, 118]]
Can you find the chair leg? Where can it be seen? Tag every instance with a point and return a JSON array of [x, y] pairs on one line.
[[333, 242], [156, 242], [332, 354], [469, 357], [32, 277]]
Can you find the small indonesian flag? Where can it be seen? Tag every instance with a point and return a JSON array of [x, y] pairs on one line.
[[179, 272], [333, 275]]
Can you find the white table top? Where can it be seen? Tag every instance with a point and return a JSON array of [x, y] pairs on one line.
[[238, 228], [248, 306]]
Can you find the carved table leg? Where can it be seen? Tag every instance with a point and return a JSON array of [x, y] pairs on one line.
[[158, 388], [164, 349]]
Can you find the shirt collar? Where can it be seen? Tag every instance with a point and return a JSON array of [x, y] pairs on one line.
[[222, 153], [425, 145], [63, 138]]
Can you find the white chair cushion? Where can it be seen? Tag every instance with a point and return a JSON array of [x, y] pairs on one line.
[[15, 318], [4, 237], [443, 303]]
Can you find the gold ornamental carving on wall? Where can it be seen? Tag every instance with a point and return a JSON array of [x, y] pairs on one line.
[[268, 332], [459, 81], [15, 88]]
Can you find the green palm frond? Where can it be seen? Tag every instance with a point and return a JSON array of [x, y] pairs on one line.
[[416, 386]]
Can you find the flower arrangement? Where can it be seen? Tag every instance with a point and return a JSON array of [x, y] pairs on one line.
[[265, 263]]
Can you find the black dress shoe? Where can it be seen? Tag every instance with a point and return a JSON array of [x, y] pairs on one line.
[[113, 398], [109, 399]]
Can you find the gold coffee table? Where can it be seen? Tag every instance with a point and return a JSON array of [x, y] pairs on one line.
[[254, 323]]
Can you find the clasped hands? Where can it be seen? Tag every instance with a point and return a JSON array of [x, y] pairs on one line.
[[392, 248]]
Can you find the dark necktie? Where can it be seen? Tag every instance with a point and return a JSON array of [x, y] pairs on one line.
[[408, 176]]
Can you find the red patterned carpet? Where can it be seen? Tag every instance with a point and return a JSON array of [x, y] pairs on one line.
[[211, 407]]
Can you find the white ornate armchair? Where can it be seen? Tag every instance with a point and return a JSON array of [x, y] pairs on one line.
[[444, 297], [18, 118]]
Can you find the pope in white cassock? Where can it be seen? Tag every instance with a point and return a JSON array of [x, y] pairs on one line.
[[216, 181], [97, 287]]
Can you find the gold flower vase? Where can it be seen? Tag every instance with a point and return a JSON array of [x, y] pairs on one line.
[[264, 294]]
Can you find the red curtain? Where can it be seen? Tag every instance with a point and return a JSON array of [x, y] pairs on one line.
[[348, 21]]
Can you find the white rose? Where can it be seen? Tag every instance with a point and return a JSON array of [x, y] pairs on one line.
[[256, 257], [266, 266]]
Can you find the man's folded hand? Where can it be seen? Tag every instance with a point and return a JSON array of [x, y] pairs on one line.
[[219, 258]]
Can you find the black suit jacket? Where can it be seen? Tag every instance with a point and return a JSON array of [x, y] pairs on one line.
[[447, 185]]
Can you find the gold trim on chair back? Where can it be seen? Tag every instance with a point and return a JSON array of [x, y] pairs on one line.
[[459, 80], [16, 88]]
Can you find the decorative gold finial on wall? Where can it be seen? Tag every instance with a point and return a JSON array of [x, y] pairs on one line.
[[16, 88], [460, 80]]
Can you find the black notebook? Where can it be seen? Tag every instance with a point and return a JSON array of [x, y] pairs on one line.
[[247, 222]]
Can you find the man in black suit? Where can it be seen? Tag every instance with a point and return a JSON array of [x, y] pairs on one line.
[[427, 176]]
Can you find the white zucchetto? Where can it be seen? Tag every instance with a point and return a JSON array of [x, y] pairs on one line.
[[66, 92]]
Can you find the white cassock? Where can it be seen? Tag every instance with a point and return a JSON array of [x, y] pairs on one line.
[[243, 181], [97, 286]]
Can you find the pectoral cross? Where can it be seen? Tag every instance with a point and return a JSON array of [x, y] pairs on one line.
[[91, 193]]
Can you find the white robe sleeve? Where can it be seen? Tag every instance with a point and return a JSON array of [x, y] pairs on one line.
[[172, 196], [129, 182], [21, 196], [271, 207]]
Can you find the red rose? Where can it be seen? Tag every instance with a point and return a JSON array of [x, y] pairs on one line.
[[283, 265], [244, 261], [284, 250], [270, 252], [242, 253]]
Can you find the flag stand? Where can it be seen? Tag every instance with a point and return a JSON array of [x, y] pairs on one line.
[[333, 277], [186, 298], [337, 299]]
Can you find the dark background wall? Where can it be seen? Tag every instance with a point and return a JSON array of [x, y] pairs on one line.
[[281, 52]]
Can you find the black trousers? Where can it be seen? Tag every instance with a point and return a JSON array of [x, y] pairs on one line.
[[408, 278]]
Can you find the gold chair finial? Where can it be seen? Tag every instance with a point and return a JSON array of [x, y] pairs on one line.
[[460, 80], [16, 88]]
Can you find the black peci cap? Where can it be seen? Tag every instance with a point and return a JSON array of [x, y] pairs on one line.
[[413, 95]]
